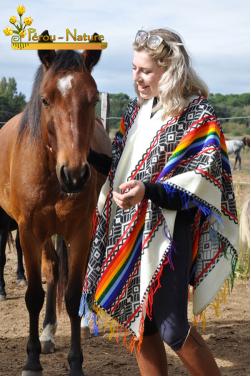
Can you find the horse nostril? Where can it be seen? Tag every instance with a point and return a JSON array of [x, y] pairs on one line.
[[85, 172], [73, 180], [64, 174]]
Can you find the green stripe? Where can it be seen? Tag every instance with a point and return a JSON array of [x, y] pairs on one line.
[[177, 153]]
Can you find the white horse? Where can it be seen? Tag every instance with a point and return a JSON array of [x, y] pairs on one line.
[[235, 147]]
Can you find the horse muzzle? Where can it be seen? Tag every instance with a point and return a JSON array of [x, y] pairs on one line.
[[73, 180]]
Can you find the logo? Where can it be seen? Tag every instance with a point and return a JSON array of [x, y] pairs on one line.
[[24, 37]]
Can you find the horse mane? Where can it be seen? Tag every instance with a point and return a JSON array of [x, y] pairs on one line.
[[30, 120]]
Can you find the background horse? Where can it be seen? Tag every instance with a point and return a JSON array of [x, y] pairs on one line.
[[235, 147], [48, 187], [7, 225]]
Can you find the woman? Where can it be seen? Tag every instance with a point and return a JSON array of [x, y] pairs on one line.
[[166, 215]]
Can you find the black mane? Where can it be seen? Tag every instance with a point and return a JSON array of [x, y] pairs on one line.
[[64, 61]]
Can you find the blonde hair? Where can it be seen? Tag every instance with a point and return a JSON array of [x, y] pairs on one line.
[[179, 81]]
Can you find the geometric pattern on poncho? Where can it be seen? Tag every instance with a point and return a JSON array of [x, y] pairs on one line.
[[124, 302]]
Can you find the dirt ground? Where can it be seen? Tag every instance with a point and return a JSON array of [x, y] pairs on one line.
[[227, 335]]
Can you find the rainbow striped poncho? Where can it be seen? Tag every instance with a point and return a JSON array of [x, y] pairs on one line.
[[187, 154]]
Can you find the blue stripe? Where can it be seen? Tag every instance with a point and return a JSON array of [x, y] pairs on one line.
[[116, 288], [193, 149]]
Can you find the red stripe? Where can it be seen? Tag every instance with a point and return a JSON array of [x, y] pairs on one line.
[[227, 177], [150, 235], [203, 172], [153, 145], [208, 265], [206, 117], [125, 232], [134, 272], [209, 148], [225, 211], [134, 313]]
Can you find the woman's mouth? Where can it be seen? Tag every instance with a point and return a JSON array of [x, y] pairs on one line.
[[142, 88]]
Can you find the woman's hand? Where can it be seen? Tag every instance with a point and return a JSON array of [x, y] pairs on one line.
[[132, 192]]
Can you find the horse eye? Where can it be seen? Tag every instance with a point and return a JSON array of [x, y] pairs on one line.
[[45, 102]]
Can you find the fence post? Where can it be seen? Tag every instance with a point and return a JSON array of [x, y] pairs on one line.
[[105, 109]]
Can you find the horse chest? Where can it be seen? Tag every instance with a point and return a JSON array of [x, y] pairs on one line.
[[68, 208]]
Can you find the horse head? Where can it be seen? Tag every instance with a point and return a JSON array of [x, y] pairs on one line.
[[68, 94], [246, 141]]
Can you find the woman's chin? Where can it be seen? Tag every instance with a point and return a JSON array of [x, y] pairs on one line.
[[145, 95]]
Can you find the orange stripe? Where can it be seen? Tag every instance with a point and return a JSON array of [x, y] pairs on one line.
[[122, 126], [118, 261], [197, 133]]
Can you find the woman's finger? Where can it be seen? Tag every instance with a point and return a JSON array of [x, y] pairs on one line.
[[128, 185]]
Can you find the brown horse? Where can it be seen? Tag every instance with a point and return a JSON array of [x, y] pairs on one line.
[[48, 186]]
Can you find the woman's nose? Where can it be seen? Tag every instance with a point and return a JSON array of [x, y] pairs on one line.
[[139, 79], [137, 76]]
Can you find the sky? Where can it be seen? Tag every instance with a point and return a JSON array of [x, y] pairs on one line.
[[215, 33]]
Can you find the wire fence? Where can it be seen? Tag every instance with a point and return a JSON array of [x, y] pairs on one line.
[[119, 117], [220, 118]]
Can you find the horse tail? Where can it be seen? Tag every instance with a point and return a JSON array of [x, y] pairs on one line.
[[62, 253]]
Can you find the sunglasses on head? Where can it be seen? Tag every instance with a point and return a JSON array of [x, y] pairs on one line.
[[151, 41]]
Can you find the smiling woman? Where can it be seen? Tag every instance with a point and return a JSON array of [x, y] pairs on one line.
[[161, 209], [146, 75]]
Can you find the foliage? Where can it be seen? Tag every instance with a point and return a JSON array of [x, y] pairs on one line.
[[226, 106], [233, 106], [118, 104], [11, 102]]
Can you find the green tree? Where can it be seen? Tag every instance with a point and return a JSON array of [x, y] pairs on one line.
[[234, 107], [11, 102], [118, 104]]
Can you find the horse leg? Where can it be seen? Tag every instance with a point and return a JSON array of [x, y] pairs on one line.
[[50, 270], [78, 255], [21, 280], [3, 241], [34, 298], [236, 159], [239, 158]]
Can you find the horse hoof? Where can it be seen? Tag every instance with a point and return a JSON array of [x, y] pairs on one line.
[[2, 297], [21, 282], [32, 373], [86, 332], [47, 347]]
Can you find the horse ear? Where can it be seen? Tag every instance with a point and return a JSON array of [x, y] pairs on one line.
[[46, 56], [91, 57]]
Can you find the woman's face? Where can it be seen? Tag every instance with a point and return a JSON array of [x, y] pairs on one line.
[[146, 74]]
